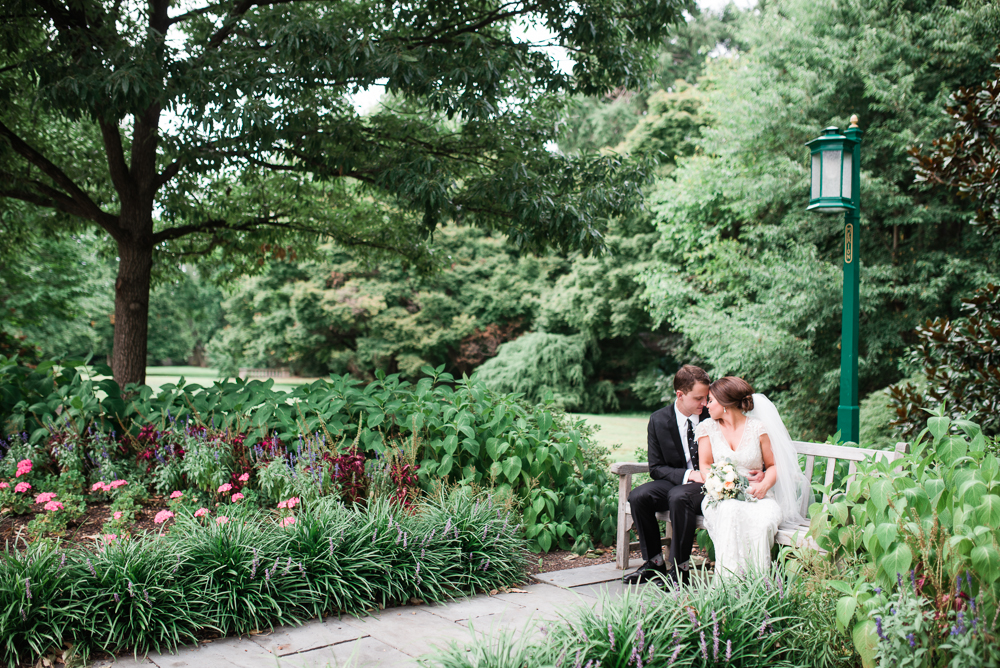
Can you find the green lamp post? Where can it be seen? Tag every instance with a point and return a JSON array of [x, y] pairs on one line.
[[836, 188]]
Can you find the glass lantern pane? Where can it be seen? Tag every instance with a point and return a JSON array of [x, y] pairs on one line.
[[831, 174], [847, 174], [815, 176]]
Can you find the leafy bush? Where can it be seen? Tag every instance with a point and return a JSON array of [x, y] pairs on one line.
[[933, 515], [961, 361], [300, 442], [240, 571]]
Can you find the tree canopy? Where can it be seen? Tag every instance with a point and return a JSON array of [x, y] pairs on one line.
[[227, 129]]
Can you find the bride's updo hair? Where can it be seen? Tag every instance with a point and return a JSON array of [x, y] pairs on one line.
[[733, 392]]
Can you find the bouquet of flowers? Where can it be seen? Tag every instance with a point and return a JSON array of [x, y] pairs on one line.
[[724, 482]]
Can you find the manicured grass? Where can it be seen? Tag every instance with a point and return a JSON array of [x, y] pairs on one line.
[[622, 434]]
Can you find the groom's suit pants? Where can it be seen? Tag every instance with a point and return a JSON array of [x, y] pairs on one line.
[[682, 502]]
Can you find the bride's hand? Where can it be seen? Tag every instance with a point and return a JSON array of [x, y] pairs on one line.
[[757, 490]]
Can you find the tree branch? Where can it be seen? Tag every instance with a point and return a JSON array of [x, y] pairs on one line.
[[116, 156], [169, 172], [195, 12], [87, 208], [229, 23]]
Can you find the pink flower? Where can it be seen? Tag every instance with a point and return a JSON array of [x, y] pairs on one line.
[[292, 502], [97, 487], [176, 495], [162, 516], [23, 467], [244, 477], [225, 488], [4, 485], [288, 520], [22, 487], [118, 515], [236, 497], [221, 519], [53, 505], [283, 504], [115, 484], [201, 512], [45, 497], [110, 537]]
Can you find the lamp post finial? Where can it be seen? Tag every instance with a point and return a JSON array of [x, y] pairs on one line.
[[854, 121]]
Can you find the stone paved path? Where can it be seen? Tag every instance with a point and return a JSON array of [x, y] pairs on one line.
[[395, 636]]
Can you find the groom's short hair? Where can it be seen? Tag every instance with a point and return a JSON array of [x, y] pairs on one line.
[[688, 376]]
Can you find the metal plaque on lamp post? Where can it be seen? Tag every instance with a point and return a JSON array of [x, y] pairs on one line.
[[836, 188]]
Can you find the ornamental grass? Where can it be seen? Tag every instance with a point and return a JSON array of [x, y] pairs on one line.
[[155, 592]]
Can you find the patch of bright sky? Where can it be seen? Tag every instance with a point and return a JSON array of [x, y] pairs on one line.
[[367, 99]]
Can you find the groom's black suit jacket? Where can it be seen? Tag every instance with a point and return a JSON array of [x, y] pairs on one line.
[[665, 445]]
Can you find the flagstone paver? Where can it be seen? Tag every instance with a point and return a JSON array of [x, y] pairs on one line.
[[286, 640]]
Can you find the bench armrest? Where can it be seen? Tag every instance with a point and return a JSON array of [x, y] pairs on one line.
[[623, 468]]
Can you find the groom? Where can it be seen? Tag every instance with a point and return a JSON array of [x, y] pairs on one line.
[[676, 484]]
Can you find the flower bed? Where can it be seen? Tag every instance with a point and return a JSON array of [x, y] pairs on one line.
[[237, 569]]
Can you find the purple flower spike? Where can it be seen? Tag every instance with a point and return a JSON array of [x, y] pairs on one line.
[[611, 636]]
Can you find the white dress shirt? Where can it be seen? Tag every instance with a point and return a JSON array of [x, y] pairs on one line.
[[682, 421]]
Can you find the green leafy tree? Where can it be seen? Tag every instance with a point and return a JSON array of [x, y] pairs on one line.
[[228, 128], [748, 277]]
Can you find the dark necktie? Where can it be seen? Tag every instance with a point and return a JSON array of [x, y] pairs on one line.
[[692, 445]]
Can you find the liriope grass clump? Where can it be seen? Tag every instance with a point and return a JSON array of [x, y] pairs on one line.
[[750, 620], [251, 570], [37, 608], [136, 595]]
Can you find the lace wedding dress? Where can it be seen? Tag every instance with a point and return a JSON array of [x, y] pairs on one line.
[[742, 531]]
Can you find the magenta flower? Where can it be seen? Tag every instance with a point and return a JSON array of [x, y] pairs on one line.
[[283, 504], [4, 485], [162, 516], [45, 497], [221, 519], [236, 497], [110, 538], [288, 520], [97, 487], [115, 484], [201, 512], [176, 494], [225, 488], [53, 505], [244, 477], [22, 487], [118, 515], [292, 502], [23, 467]]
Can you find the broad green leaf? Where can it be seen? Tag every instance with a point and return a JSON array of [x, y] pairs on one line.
[[938, 426], [845, 611], [986, 562], [375, 419], [950, 449], [512, 468], [988, 511], [866, 639], [538, 504], [841, 586], [880, 491], [886, 533], [583, 514], [445, 467], [545, 540], [897, 560]]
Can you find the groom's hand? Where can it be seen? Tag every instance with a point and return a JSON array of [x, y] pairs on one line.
[[753, 475], [696, 476]]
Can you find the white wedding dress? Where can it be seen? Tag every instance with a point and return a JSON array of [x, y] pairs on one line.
[[742, 531]]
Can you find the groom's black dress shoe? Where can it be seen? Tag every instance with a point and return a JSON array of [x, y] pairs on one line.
[[648, 571], [677, 577]]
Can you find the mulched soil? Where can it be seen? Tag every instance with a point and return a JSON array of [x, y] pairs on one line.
[[84, 529]]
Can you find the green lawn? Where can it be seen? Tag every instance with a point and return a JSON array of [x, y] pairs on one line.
[[622, 434]]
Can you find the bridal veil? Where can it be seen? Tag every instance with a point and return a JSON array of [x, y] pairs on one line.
[[792, 490]]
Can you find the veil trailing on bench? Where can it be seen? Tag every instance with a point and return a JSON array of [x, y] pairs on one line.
[[792, 490]]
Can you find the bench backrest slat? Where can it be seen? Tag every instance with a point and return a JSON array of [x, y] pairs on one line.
[[810, 464]]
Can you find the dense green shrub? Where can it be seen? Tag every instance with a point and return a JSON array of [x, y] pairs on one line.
[[242, 570], [933, 516], [460, 431]]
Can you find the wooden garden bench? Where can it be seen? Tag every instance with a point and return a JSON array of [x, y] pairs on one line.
[[788, 534]]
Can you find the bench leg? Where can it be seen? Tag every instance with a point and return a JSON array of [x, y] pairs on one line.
[[624, 522]]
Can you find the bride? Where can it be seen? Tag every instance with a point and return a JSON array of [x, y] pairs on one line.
[[745, 428]]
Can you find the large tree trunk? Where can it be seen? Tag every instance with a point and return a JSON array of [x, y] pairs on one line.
[[132, 311]]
